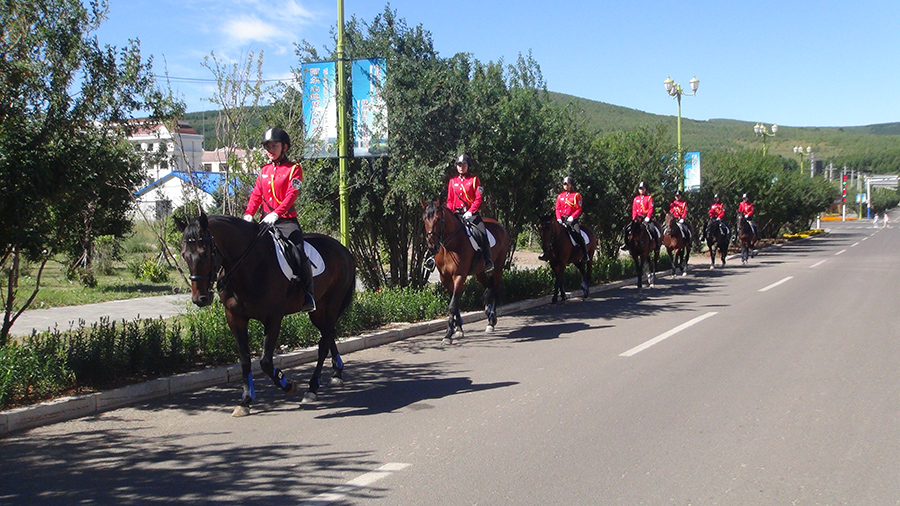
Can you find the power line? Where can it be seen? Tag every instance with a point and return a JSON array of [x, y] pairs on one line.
[[198, 80]]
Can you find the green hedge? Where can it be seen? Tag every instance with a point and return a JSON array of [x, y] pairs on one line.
[[107, 354]]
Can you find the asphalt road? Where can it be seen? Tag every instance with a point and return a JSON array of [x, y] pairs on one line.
[[771, 383]]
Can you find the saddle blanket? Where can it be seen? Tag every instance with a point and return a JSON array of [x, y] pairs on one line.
[[315, 259], [491, 239], [583, 236]]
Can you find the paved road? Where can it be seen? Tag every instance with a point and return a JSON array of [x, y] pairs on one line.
[[773, 383]]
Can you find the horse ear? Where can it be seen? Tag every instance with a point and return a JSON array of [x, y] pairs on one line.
[[422, 201], [204, 221]]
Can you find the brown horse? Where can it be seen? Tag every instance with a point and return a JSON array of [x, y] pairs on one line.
[[241, 258], [746, 236], [644, 250], [717, 236], [456, 258], [678, 246], [556, 243]]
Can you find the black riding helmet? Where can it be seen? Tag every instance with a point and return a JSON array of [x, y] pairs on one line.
[[644, 186], [277, 135], [569, 180]]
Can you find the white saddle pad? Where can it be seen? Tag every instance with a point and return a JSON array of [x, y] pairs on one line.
[[491, 239], [583, 236], [315, 259]]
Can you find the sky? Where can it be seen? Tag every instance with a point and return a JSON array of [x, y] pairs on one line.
[[793, 63]]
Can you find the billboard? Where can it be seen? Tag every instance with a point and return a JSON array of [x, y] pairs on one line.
[[692, 171], [370, 133], [320, 109]]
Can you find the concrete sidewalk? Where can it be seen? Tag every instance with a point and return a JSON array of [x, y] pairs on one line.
[[68, 317]]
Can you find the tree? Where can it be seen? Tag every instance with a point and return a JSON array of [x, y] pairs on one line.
[[65, 106]]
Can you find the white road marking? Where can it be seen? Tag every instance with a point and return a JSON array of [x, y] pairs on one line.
[[773, 285], [661, 337], [839, 252], [854, 244], [354, 485], [820, 262]]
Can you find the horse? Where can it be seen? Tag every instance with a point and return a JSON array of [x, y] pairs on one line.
[[746, 237], [240, 258], [456, 258], [643, 249], [678, 246], [557, 246], [716, 241]]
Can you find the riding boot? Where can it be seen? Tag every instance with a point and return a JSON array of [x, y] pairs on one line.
[[484, 243], [306, 278]]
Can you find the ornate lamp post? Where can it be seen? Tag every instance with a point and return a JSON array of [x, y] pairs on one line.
[[799, 151], [674, 90], [761, 131]]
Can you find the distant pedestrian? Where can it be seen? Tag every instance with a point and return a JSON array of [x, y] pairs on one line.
[[885, 222], [875, 221]]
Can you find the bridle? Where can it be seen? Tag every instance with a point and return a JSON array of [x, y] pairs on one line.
[[439, 237], [214, 254]]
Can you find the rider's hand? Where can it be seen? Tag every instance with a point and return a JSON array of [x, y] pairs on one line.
[[681, 220], [646, 219], [560, 221], [570, 219], [270, 218], [746, 216], [248, 217], [468, 215]]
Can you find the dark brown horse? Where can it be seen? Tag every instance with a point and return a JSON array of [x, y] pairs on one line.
[[644, 250], [678, 245], [456, 258], [557, 245], [241, 257], [746, 236], [717, 237]]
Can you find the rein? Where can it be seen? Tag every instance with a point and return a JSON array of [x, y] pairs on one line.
[[222, 283], [443, 241], [215, 252]]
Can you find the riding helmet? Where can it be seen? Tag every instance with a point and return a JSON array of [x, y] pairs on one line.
[[745, 197], [568, 180], [716, 196], [643, 185], [464, 158], [677, 193], [277, 135]]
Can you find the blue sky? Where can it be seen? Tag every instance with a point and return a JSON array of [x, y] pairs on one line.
[[794, 63]]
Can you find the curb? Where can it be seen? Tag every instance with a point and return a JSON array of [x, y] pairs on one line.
[[68, 408]]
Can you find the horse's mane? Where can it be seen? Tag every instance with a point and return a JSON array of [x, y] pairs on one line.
[[431, 209], [192, 231]]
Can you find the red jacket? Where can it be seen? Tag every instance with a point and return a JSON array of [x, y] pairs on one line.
[[464, 192], [678, 208], [568, 204], [717, 210], [642, 206], [746, 208], [276, 189]]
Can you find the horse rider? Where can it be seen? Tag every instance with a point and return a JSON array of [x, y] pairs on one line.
[[746, 208], [276, 190], [464, 193], [642, 207], [678, 208], [568, 209], [717, 214]]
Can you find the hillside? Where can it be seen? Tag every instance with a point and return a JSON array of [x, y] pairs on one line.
[[875, 148]]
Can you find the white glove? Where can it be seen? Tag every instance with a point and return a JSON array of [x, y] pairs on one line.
[[468, 215], [646, 219], [248, 217], [570, 219], [746, 216], [681, 220], [270, 218], [560, 221]]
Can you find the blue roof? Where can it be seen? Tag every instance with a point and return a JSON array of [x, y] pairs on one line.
[[206, 181]]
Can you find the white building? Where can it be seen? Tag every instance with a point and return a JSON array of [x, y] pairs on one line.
[[181, 150]]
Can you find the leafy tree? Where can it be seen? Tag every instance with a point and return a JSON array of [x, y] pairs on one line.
[[65, 105]]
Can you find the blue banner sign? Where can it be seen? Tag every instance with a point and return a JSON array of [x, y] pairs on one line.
[[370, 131], [692, 171]]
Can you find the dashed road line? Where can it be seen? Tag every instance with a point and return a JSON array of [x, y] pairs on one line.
[[820, 262], [773, 285], [355, 485], [666, 335]]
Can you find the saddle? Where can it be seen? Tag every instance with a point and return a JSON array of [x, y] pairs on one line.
[[288, 261]]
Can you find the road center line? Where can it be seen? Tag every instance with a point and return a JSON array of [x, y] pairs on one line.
[[354, 485], [641, 347], [773, 285], [839, 252], [854, 244], [820, 262]]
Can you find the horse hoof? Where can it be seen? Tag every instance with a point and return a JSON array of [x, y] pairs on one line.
[[292, 390], [489, 329], [684, 274], [309, 398], [459, 334], [336, 382], [240, 411], [447, 341]]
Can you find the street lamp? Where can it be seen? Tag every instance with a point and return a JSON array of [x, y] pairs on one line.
[[761, 131], [799, 151], [674, 90]]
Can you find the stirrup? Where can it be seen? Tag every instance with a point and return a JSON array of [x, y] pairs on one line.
[[309, 303], [429, 264], [488, 266], [543, 256]]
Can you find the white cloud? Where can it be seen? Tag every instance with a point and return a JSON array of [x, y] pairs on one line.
[[250, 29]]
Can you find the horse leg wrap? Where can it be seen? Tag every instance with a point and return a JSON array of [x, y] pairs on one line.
[[280, 380], [249, 391], [337, 363]]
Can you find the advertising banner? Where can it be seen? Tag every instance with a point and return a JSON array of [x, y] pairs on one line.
[[692, 171], [370, 131], [320, 109]]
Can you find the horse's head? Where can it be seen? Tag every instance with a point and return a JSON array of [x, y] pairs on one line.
[[433, 217], [547, 230], [202, 258]]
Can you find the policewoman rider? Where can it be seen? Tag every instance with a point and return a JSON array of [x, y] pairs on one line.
[[568, 210], [464, 192], [276, 190]]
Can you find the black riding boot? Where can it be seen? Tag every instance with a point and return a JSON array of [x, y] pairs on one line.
[[306, 280]]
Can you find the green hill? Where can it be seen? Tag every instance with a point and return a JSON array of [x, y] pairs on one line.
[[874, 148]]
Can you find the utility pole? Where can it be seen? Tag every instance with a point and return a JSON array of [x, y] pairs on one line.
[[343, 136]]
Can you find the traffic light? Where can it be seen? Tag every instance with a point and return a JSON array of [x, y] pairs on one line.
[[843, 188]]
